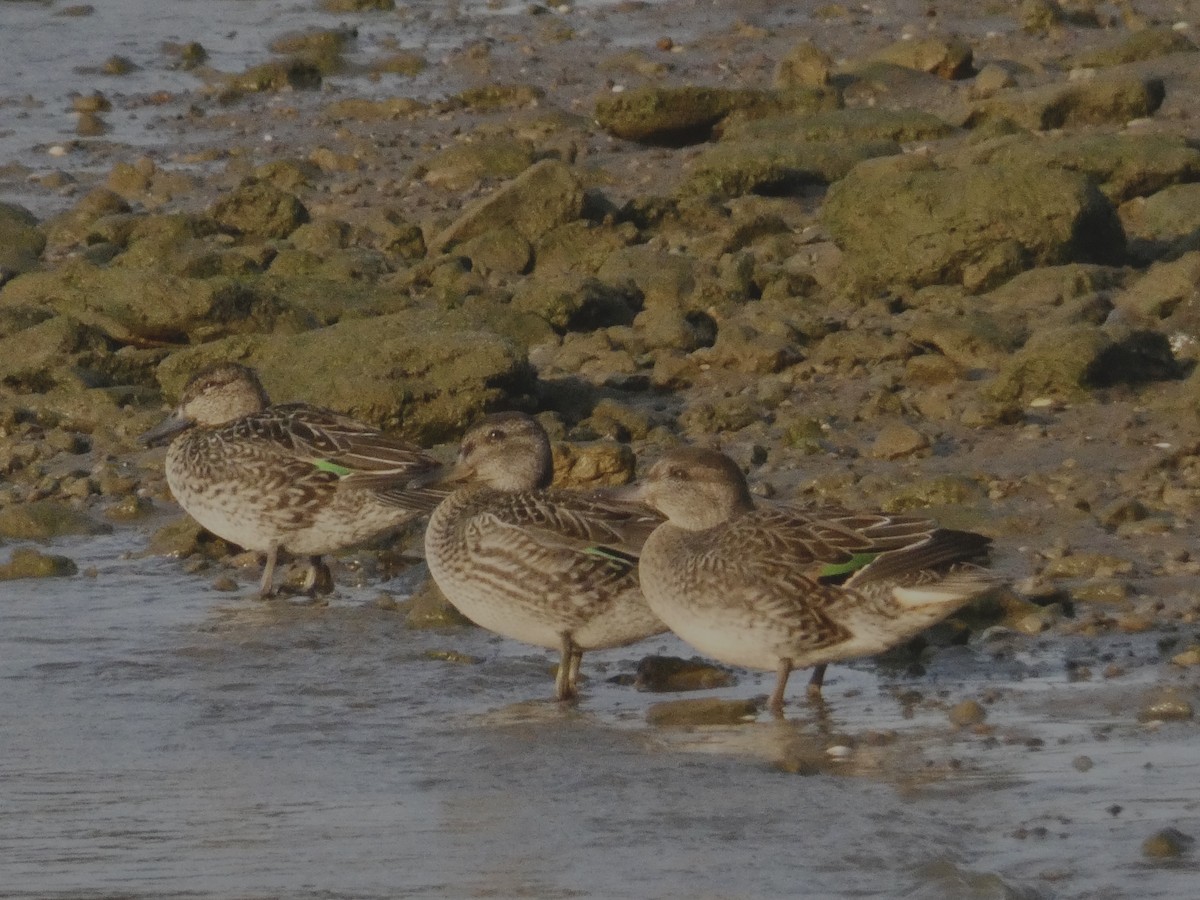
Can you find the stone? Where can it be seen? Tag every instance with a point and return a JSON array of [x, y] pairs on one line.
[[260, 210], [461, 165], [429, 374], [668, 674], [676, 116], [21, 241], [1149, 43], [1168, 843], [1097, 101], [966, 713], [896, 440], [429, 608], [29, 562], [1165, 224], [1165, 705], [805, 65], [843, 126], [736, 168], [948, 58], [45, 519], [592, 465], [546, 195], [915, 224]]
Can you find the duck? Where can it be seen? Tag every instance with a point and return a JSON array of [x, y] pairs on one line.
[[783, 587], [550, 567], [286, 477]]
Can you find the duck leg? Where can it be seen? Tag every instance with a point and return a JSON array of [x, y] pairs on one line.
[[568, 668], [816, 681], [775, 704], [573, 669], [318, 579], [266, 587]]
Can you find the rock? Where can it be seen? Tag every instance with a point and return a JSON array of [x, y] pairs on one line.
[[356, 6], [278, 75], [28, 562], [323, 47], [260, 210], [428, 375], [1163, 293], [678, 116], [1165, 705], [990, 79], [701, 711], [1064, 361], [500, 251], [148, 307], [581, 247], [1164, 224], [596, 464], [805, 65], [896, 440], [1124, 165], [966, 713], [575, 302], [429, 608], [905, 223], [461, 165], [737, 168], [21, 242], [666, 674], [1189, 657], [843, 126], [543, 197], [1040, 16], [1097, 101], [71, 227], [45, 519], [492, 97], [948, 58], [1169, 843], [1149, 43]]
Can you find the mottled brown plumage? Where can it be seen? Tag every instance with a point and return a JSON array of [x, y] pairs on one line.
[[549, 567], [287, 477], [783, 587]]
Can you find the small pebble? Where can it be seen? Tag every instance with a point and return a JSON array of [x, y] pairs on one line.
[[1170, 843], [1082, 763], [968, 712], [224, 583]]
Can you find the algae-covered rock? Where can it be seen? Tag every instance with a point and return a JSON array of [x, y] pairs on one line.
[[45, 519], [502, 251], [356, 6], [1124, 165], [323, 47], [596, 464], [1065, 361], [920, 225], [490, 97], [1149, 43], [804, 66], [36, 356], [687, 115], [668, 674], [571, 302], [28, 562], [1165, 292], [427, 375], [277, 75], [21, 242], [461, 165], [843, 125], [1094, 102], [544, 196], [72, 227], [429, 608], [148, 307], [949, 58], [733, 169], [259, 209], [1165, 223], [581, 247]]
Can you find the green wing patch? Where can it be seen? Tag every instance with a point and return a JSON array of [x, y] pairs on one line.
[[853, 564], [326, 466]]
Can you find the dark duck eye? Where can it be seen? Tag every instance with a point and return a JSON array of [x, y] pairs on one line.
[[496, 434]]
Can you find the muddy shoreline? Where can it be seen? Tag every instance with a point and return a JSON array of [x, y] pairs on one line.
[[908, 256]]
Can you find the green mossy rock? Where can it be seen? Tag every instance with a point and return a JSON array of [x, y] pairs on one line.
[[424, 374], [676, 116], [21, 242], [949, 57], [848, 125], [914, 224], [1149, 43], [28, 562], [1123, 165], [738, 168], [260, 210], [546, 195], [1164, 224], [461, 165], [573, 302], [46, 519], [1097, 102]]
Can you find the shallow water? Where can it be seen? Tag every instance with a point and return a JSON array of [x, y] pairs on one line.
[[161, 739]]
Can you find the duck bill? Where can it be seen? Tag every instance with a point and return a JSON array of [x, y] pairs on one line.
[[634, 492], [443, 477], [165, 430]]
